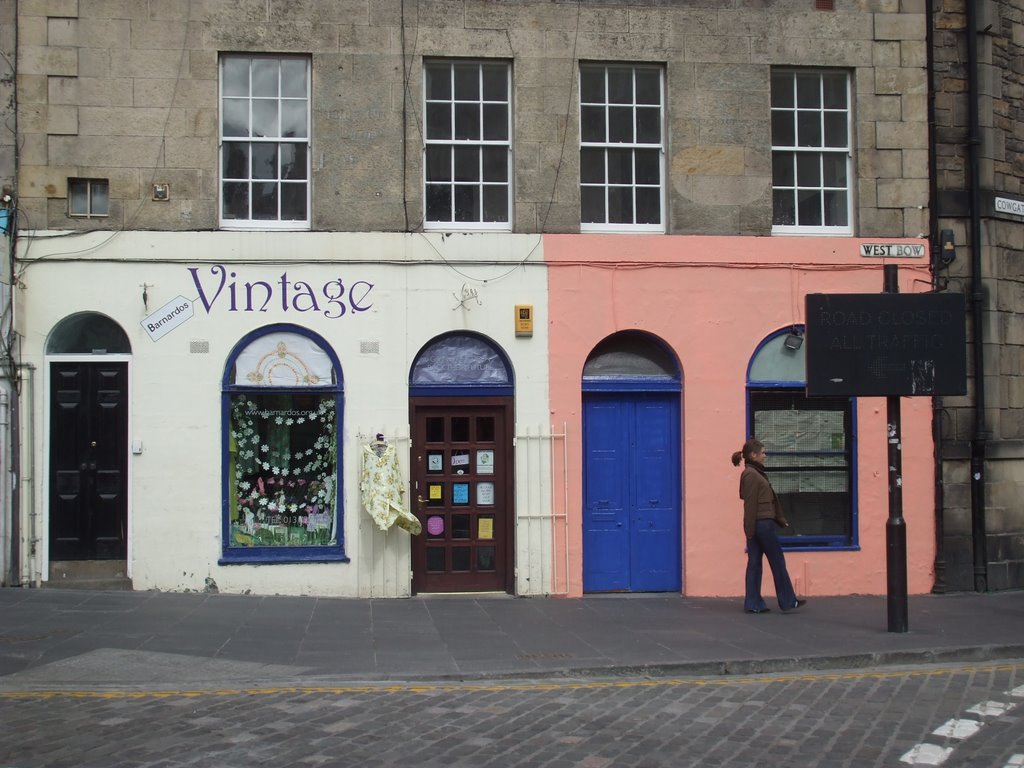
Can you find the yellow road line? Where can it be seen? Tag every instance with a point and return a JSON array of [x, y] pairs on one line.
[[558, 685]]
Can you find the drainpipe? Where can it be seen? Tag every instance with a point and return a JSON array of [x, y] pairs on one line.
[[979, 439], [939, 568]]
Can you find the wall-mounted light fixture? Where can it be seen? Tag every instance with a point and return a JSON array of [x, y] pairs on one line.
[[794, 340]]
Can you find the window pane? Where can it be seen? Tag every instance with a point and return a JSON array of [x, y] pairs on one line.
[[460, 558], [592, 205], [592, 124], [648, 166], [435, 559], [592, 165], [236, 200], [648, 87], [78, 193], [485, 558], [467, 121], [467, 164], [467, 203], [648, 126], [620, 85], [835, 170], [294, 78], [264, 118], [836, 211], [782, 169], [495, 122], [435, 429], [809, 208], [439, 202], [293, 161], [808, 129], [783, 207], [834, 86], [648, 205], [592, 85], [485, 429], [235, 80], [782, 90], [808, 91], [283, 470], [439, 121], [235, 117], [460, 429], [783, 129], [495, 162], [495, 202], [439, 163], [620, 166], [835, 129], [620, 205], [264, 161], [495, 79], [264, 201], [293, 202], [265, 77], [236, 160], [460, 526], [293, 119], [620, 124], [467, 82], [439, 82], [808, 170], [100, 205]]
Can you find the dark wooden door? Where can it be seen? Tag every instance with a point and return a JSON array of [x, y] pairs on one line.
[[88, 460], [462, 493]]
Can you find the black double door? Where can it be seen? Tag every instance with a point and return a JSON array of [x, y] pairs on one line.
[[88, 448]]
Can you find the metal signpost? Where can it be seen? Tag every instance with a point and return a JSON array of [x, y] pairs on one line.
[[892, 345]]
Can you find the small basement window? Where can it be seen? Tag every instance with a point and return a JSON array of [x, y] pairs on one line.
[[88, 197]]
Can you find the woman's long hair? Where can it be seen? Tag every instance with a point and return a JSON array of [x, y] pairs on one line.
[[752, 446]]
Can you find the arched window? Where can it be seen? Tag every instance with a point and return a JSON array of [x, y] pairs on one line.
[[88, 333], [282, 400], [630, 360], [457, 362], [811, 445]]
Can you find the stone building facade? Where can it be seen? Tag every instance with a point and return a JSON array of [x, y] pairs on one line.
[[979, 97], [628, 180]]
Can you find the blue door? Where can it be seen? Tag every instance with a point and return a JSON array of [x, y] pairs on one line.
[[632, 492]]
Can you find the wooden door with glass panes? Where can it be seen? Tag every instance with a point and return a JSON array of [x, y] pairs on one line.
[[462, 494]]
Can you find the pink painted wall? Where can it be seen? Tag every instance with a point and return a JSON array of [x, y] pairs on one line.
[[712, 300]]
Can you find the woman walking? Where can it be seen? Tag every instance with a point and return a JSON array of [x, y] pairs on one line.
[[762, 514]]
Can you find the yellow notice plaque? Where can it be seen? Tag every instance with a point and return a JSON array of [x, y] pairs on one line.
[[524, 319], [435, 491], [486, 526]]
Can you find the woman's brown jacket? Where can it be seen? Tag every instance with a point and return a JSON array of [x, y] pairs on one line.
[[760, 501]]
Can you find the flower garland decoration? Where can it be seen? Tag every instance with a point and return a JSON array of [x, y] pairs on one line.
[[284, 495]]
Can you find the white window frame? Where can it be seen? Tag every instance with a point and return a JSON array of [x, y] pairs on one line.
[[90, 187], [802, 151], [255, 140], [607, 145], [481, 143]]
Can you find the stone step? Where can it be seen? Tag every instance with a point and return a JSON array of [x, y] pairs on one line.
[[89, 574]]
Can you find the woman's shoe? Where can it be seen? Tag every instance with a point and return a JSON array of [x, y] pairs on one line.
[[757, 610]]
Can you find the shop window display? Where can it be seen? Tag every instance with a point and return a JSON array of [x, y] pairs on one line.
[[282, 401]]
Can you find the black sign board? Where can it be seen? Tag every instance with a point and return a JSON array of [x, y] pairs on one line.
[[881, 344]]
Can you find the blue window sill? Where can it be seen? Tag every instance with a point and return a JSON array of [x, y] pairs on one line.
[[273, 555]]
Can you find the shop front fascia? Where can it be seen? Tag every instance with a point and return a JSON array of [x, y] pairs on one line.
[[260, 366]]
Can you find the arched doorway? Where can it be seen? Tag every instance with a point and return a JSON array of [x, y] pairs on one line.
[[632, 484], [461, 409], [87, 358]]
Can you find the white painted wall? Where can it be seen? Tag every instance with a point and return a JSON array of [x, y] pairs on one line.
[[418, 282]]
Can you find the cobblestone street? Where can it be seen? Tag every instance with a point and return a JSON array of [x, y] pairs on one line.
[[864, 718]]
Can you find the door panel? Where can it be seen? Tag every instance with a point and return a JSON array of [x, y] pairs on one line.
[[631, 493], [462, 494], [88, 461]]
